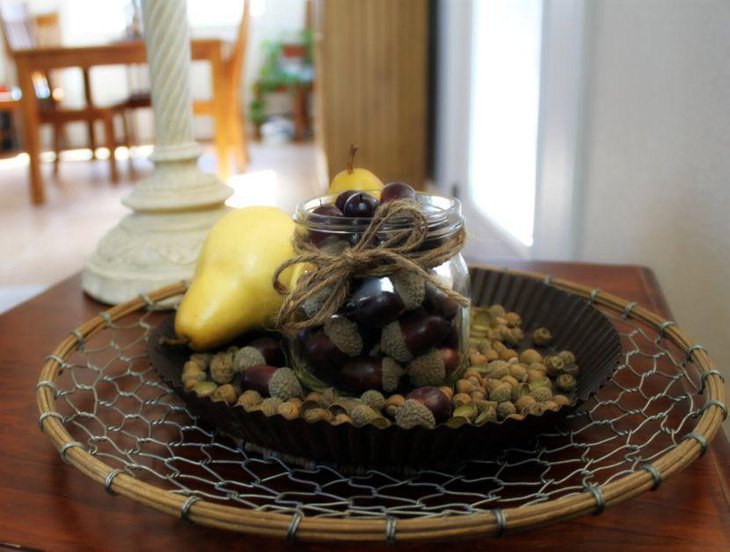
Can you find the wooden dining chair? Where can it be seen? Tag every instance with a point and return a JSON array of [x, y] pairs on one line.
[[233, 68], [21, 32]]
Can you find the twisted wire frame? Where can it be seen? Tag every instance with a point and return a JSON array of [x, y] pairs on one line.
[[110, 416]]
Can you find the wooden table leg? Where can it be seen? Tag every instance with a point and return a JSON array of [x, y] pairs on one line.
[[220, 113], [31, 131]]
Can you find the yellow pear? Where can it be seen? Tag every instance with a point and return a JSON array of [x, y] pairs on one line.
[[354, 178], [231, 291]]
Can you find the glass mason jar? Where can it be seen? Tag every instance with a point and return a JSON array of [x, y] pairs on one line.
[[393, 333]]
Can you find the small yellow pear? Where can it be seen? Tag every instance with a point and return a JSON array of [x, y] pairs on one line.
[[354, 178], [231, 291]]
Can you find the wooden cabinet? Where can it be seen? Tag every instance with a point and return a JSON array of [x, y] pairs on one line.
[[372, 85]]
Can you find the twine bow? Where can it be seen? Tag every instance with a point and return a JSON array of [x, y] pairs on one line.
[[372, 257]]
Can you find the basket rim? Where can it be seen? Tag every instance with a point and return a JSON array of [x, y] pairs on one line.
[[317, 529]]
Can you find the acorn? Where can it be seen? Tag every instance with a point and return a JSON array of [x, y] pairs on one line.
[[285, 385], [554, 365], [192, 367], [270, 405], [413, 335], [433, 367], [362, 373], [542, 337], [392, 403], [437, 302], [362, 415], [412, 414], [432, 398], [566, 382], [190, 380], [226, 393], [247, 357], [376, 310], [269, 381], [271, 350], [201, 359], [313, 415], [344, 334], [288, 410], [373, 399], [541, 394], [506, 409], [322, 356], [530, 356], [249, 399], [567, 356], [221, 368], [410, 287], [205, 388]]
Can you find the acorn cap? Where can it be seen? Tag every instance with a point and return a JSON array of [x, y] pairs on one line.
[[363, 414], [428, 369], [393, 344], [392, 372], [410, 286], [221, 368], [374, 399], [247, 357], [345, 335], [412, 414], [284, 384]]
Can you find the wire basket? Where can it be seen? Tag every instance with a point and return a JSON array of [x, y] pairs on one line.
[[109, 414]]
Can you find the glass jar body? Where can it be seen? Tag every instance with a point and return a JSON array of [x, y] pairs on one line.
[[393, 333]]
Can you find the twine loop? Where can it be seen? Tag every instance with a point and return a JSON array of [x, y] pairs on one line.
[[392, 242]]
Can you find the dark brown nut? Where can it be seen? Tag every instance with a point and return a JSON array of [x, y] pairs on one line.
[[362, 373], [323, 357], [542, 337], [412, 335], [410, 287], [433, 399], [257, 378], [530, 356], [437, 302], [270, 349], [376, 310], [345, 334]]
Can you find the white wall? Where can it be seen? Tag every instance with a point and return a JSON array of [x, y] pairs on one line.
[[656, 186]]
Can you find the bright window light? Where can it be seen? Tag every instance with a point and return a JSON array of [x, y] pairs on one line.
[[505, 104]]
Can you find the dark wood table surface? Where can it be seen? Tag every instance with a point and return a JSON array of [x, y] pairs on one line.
[[46, 504]]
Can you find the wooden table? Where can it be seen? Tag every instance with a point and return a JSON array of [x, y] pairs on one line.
[[46, 58], [48, 505]]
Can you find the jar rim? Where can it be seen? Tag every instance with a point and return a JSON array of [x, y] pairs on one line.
[[443, 215]]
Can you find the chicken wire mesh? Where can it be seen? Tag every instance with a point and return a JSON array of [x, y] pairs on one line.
[[112, 402]]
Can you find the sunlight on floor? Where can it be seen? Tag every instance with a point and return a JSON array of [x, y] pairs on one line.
[[254, 188]]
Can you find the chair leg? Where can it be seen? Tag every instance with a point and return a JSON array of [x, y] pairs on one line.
[[127, 140], [57, 134], [112, 145], [239, 142]]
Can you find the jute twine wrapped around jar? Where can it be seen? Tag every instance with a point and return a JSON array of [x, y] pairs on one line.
[[372, 257]]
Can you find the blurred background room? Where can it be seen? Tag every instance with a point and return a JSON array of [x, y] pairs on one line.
[[582, 130]]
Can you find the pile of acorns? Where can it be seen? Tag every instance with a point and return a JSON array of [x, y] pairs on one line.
[[498, 382]]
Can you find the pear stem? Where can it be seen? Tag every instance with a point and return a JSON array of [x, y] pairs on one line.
[[351, 158], [174, 341]]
